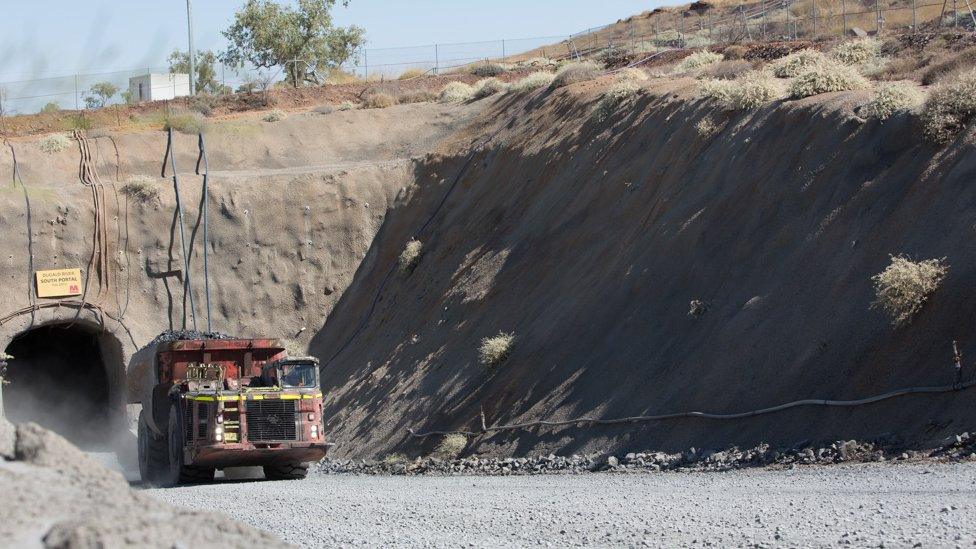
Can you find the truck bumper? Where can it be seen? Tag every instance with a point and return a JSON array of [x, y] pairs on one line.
[[219, 456]]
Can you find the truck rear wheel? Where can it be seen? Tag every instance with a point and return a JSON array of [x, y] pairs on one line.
[[152, 452], [286, 471], [176, 470]]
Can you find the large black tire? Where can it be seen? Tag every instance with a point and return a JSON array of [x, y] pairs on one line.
[[176, 471], [286, 471], [152, 452]]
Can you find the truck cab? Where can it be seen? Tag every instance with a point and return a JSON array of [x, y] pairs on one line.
[[229, 403]]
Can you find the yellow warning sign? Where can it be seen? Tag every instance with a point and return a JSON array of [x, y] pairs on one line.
[[58, 283]]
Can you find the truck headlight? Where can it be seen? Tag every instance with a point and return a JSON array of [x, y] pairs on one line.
[[311, 416], [315, 431], [220, 418]]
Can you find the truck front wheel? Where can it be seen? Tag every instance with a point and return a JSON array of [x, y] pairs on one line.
[[152, 452], [285, 471], [177, 472]]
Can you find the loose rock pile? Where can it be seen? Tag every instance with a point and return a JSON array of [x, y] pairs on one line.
[[694, 459], [183, 335]]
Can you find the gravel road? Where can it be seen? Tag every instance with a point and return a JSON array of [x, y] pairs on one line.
[[863, 505]]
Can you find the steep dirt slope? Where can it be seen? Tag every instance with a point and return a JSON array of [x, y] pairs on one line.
[[588, 241]]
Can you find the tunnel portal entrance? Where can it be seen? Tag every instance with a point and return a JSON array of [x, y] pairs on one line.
[[59, 379]]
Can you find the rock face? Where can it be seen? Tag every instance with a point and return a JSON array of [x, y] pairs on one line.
[[56, 496]]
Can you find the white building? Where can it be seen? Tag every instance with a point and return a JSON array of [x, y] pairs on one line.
[[157, 87]]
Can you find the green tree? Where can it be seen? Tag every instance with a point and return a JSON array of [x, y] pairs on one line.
[[301, 40], [51, 107], [205, 64], [100, 94]]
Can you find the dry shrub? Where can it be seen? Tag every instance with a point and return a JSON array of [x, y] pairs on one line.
[[950, 107], [826, 77], [750, 91], [904, 286], [274, 116], [726, 70], [456, 92], [416, 96], [54, 143], [495, 350], [613, 97], [347, 106], [575, 72], [893, 97], [183, 121], [734, 52], [141, 188], [489, 69], [411, 73], [631, 74], [697, 61], [856, 52], [706, 128], [392, 460], [795, 63], [410, 256], [379, 100], [451, 446], [533, 81], [488, 87]]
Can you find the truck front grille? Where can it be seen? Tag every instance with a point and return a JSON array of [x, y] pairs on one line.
[[271, 420]]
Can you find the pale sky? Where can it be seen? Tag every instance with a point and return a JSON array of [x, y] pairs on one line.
[[58, 38]]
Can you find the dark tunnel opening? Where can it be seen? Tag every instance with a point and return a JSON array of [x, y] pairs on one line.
[[58, 378]]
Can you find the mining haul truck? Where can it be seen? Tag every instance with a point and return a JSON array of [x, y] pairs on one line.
[[210, 404]]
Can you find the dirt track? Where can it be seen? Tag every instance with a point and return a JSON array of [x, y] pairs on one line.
[[861, 506]]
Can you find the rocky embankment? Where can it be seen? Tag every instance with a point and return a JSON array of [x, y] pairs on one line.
[[955, 448]]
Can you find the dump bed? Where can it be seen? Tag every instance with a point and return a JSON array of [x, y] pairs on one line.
[[155, 367]]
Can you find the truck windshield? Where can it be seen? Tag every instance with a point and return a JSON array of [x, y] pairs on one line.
[[299, 375]]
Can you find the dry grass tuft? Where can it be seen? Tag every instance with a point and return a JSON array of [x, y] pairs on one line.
[[950, 107], [347, 106], [456, 92], [706, 128], [488, 87], [379, 100], [451, 446], [142, 188], [613, 97], [893, 97], [905, 285], [750, 91], [392, 460], [631, 74], [411, 73], [795, 63], [410, 256], [856, 52], [274, 116], [575, 72], [489, 69], [54, 143], [533, 81], [726, 70], [826, 77], [416, 96], [183, 121], [698, 60], [495, 350]]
